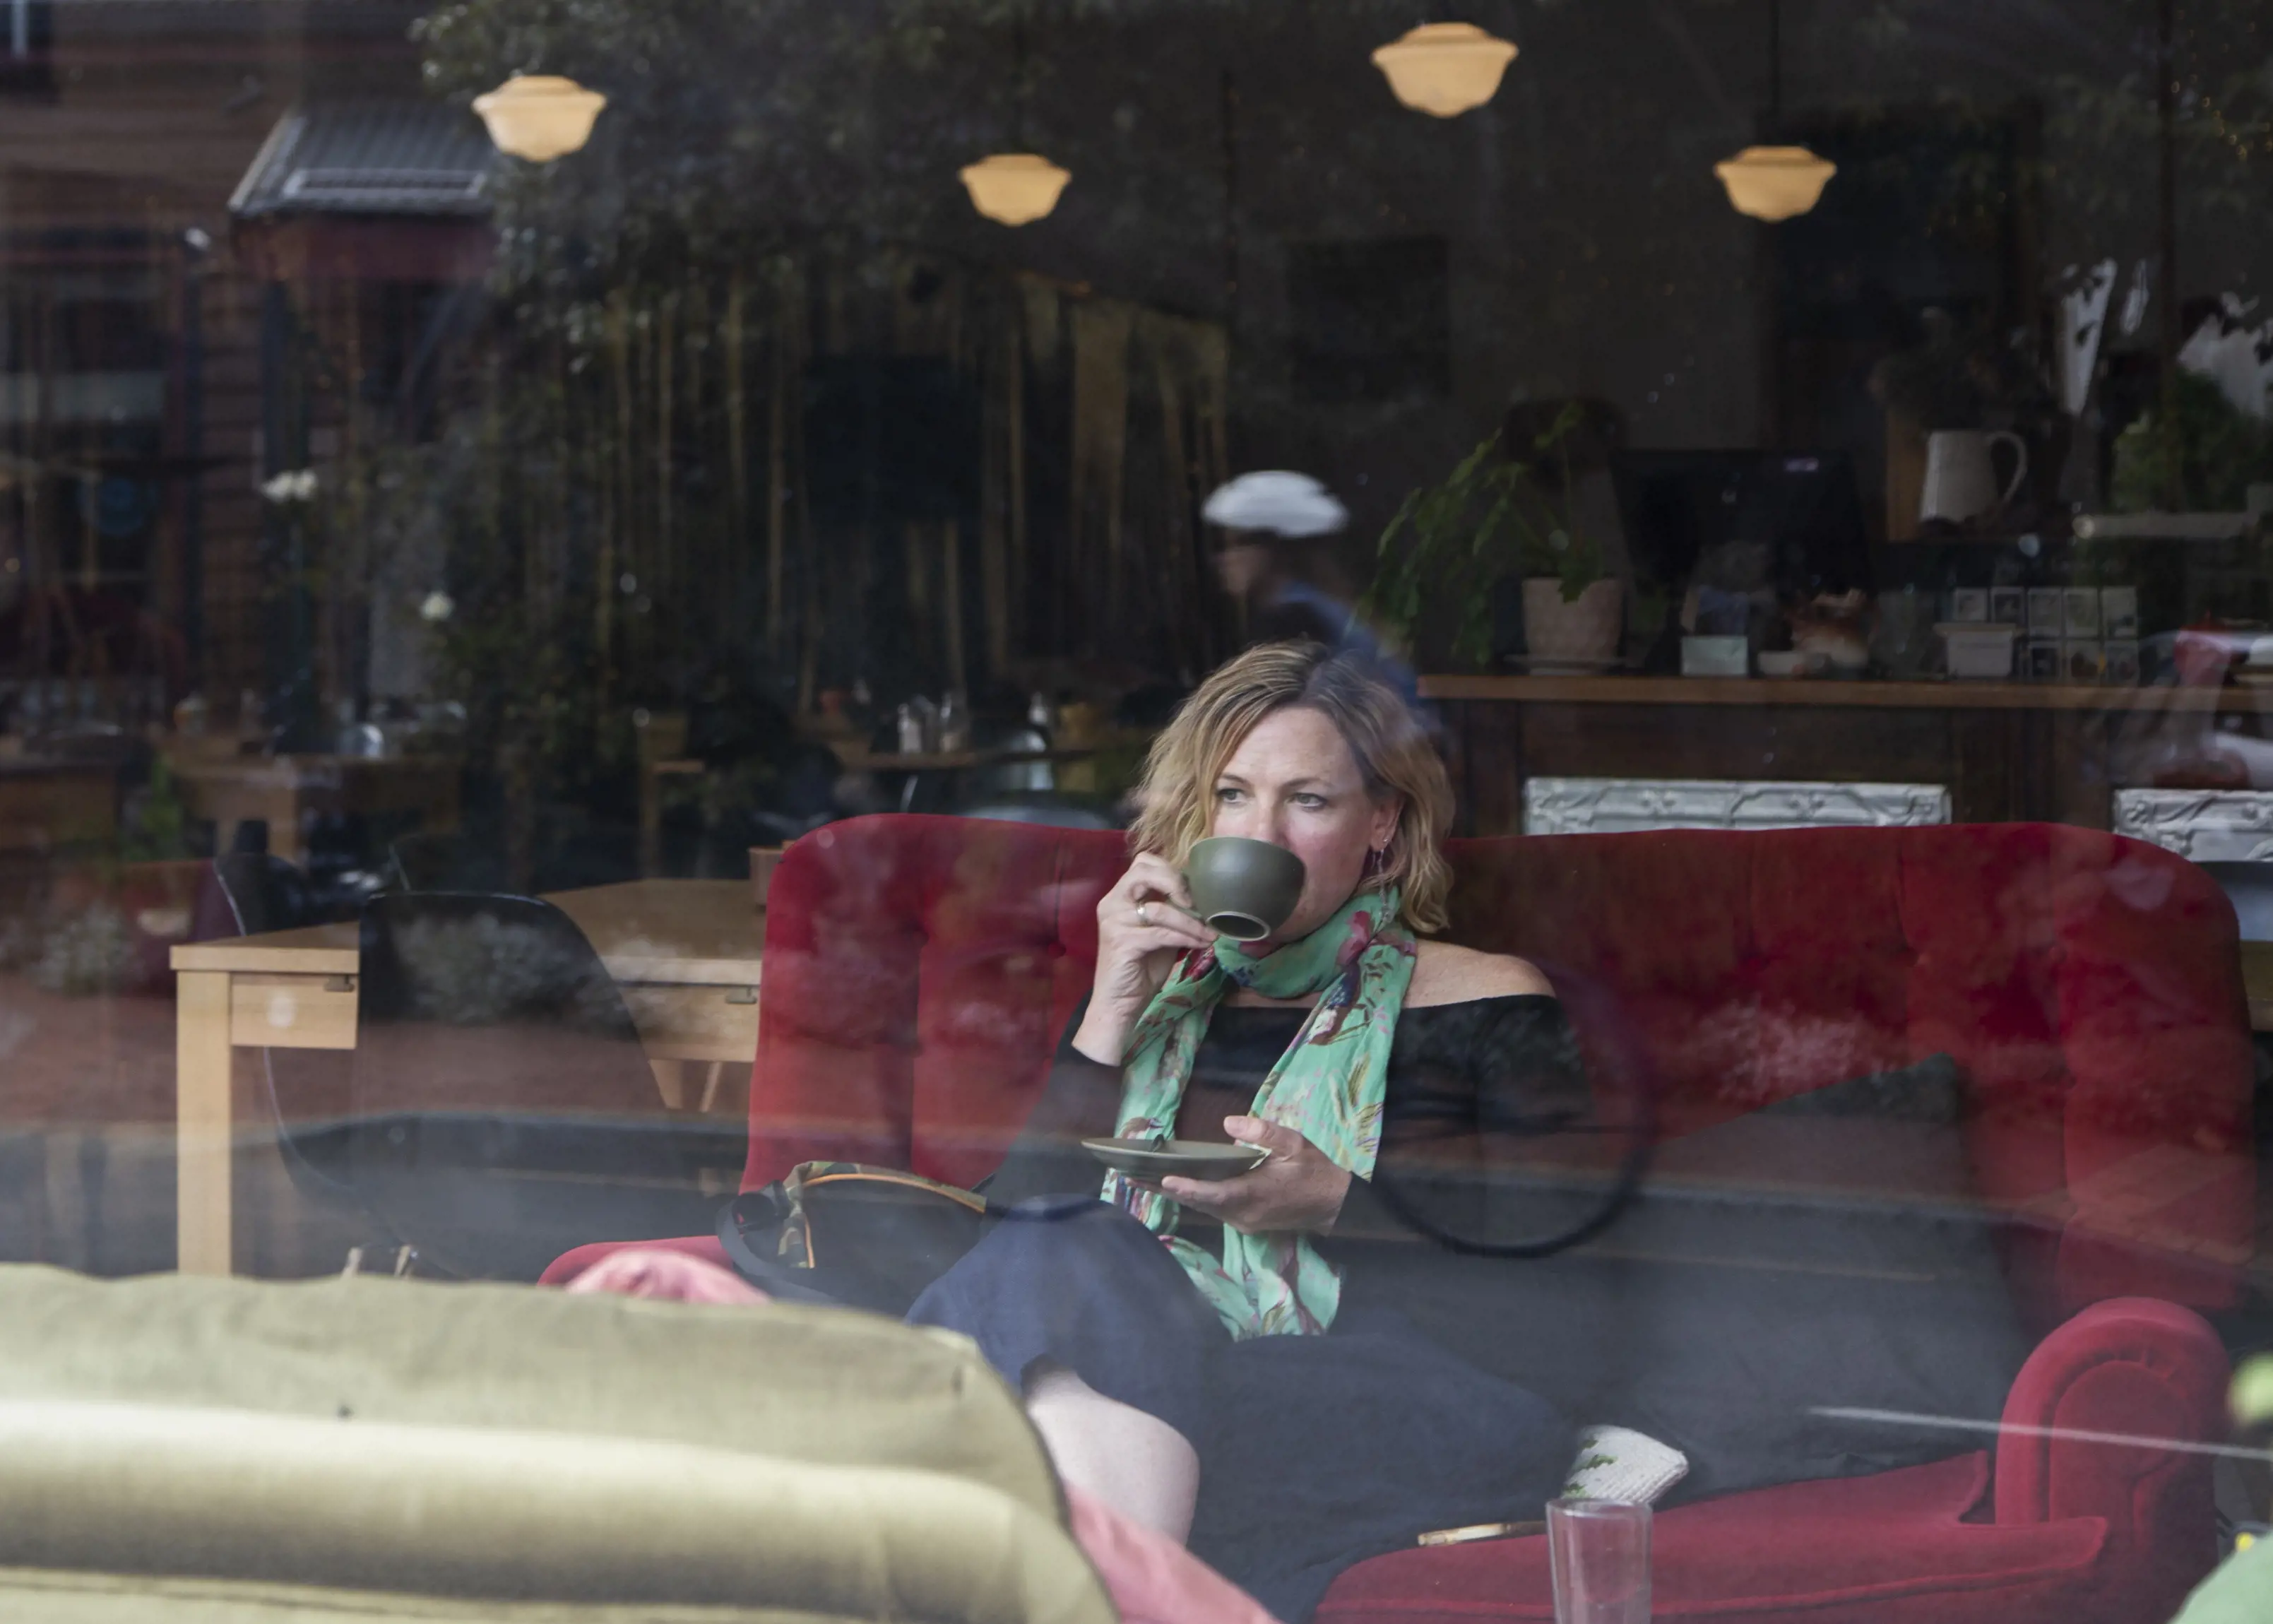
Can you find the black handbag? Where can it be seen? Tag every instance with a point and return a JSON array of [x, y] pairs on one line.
[[837, 1232]]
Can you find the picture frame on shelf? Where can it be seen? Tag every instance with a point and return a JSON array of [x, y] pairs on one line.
[[2008, 605], [2079, 613]]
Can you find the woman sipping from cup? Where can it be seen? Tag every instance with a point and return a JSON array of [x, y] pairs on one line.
[[1208, 1356]]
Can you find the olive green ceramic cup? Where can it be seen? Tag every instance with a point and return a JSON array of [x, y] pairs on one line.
[[1244, 889]]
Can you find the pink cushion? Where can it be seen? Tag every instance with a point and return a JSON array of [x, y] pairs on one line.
[[570, 1264], [1153, 1579]]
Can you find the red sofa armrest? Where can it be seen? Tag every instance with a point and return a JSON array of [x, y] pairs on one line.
[[2128, 1368], [2133, 1367]]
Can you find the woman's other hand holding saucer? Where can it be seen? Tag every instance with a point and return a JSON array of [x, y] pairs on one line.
[[1141, 928], [1298, 1191]]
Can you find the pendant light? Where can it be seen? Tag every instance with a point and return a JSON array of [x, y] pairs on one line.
[[539, 116], [1444, 69], [1015, 188], [1775, 183]]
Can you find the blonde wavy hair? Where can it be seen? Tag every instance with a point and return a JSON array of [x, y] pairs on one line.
[[1391, 748]]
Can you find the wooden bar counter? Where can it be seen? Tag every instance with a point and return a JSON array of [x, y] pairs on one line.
[[2005, 750]]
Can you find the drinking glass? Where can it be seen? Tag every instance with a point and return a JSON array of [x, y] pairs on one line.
[[1598, 1549]]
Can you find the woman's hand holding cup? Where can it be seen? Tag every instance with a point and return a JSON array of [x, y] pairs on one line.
[[1143, 924]]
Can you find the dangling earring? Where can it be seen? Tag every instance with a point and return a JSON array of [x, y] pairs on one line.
[[1377, 863]]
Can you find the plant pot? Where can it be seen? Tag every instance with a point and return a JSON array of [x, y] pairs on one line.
[[1581, 632]]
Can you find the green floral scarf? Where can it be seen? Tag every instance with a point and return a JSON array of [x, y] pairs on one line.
[[1327, 1086]]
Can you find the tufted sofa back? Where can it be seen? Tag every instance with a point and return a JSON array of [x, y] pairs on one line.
[[919, 970]]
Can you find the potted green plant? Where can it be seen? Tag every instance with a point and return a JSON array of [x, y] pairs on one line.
[[1491, 515], [1572, 612], [2220, 452]]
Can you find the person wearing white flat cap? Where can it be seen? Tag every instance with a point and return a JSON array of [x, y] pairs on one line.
[[1276, 558]]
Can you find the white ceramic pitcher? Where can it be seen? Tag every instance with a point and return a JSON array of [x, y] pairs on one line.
[[1961, 475]]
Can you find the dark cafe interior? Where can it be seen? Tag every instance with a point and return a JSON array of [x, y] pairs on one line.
[[1191, 811]]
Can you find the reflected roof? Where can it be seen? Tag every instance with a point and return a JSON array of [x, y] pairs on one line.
[[417, 158]]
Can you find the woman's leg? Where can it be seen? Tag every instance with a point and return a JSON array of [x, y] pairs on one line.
[[1082, 1309], [1137, 1464]]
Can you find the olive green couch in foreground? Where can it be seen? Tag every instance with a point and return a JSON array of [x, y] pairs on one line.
[[207, 1450]]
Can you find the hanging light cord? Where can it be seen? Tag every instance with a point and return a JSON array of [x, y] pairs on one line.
[[1775, 68], [1019, 88]]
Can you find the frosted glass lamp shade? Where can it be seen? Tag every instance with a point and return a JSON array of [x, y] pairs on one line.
[[1444, 69], [1775, 183], [1015, 188], [539, 116]]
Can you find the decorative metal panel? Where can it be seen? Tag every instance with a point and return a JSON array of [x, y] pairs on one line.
[[2205, 825], [1619, 806]]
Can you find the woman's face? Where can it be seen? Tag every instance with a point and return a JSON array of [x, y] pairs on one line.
[[1294, 782]]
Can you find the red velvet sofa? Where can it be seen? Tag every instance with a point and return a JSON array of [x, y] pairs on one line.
[[919, 971]]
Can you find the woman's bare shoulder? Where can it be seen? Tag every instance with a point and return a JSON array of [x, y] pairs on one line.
[[1443, 973]]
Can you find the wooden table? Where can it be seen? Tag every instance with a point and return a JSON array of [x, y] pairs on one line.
[[278, 789], [685, 951]]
